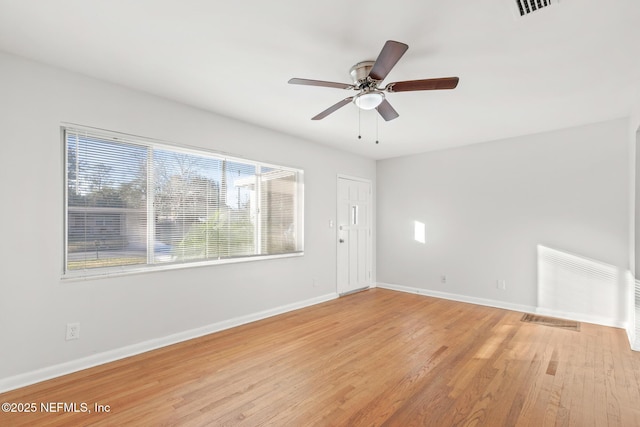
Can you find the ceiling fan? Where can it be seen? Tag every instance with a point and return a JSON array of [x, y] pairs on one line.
[[367, 77]]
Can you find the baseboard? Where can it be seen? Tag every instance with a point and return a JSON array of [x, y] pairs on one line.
[[631, 335], [459, 298], [581, 317], [43, 374]]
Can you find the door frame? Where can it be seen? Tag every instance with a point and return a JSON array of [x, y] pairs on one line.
[[370, 215]]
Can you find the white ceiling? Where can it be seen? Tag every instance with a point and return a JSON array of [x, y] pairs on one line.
[[573, 63]]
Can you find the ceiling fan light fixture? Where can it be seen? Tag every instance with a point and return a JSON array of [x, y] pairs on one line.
[[368, 100]]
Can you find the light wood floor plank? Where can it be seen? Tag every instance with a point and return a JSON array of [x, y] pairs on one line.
[[373, 358]]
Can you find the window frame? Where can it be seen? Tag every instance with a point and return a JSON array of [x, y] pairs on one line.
[[151, 144]]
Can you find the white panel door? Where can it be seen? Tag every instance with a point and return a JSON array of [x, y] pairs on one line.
[[354, 235]]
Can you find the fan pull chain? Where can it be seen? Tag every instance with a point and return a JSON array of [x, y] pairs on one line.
[[360, 126]]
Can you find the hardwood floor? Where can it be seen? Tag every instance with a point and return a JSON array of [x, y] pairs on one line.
[[377, 357]]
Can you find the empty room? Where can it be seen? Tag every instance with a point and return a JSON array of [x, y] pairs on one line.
[[328, 213]]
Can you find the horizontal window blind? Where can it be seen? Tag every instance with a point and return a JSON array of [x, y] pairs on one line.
[[135, 204]]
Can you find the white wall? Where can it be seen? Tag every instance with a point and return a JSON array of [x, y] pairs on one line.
[[488, 206], [123, 312]]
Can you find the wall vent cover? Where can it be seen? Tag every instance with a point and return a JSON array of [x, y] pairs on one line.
[[525, 7]]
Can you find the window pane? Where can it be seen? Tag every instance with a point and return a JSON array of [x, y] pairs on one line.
[[106, 193], [187, 206], [239, 209], [204, 207], [133, 202], [278, 210]]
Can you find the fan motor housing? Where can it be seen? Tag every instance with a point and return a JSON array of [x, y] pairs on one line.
[[360, 73]]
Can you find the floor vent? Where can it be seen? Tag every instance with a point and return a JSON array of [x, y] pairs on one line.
[[552, 321], [525, 7]]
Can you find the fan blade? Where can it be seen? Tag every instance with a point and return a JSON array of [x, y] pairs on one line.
[[426, 84], [387, 111], [333, 108], [389, 56], [309, 82]]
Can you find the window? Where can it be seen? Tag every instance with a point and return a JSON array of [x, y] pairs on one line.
[[133, 203]]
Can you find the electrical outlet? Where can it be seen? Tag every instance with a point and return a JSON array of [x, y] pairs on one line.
[[443, 278], [501, 284], [314, 282], [73, 331]]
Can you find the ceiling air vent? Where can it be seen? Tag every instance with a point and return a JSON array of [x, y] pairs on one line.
[[525, 7]]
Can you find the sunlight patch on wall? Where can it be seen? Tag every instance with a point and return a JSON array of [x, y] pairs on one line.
[[419, 232], [571, 283]]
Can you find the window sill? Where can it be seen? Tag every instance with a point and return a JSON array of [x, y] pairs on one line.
[[82, 275]]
